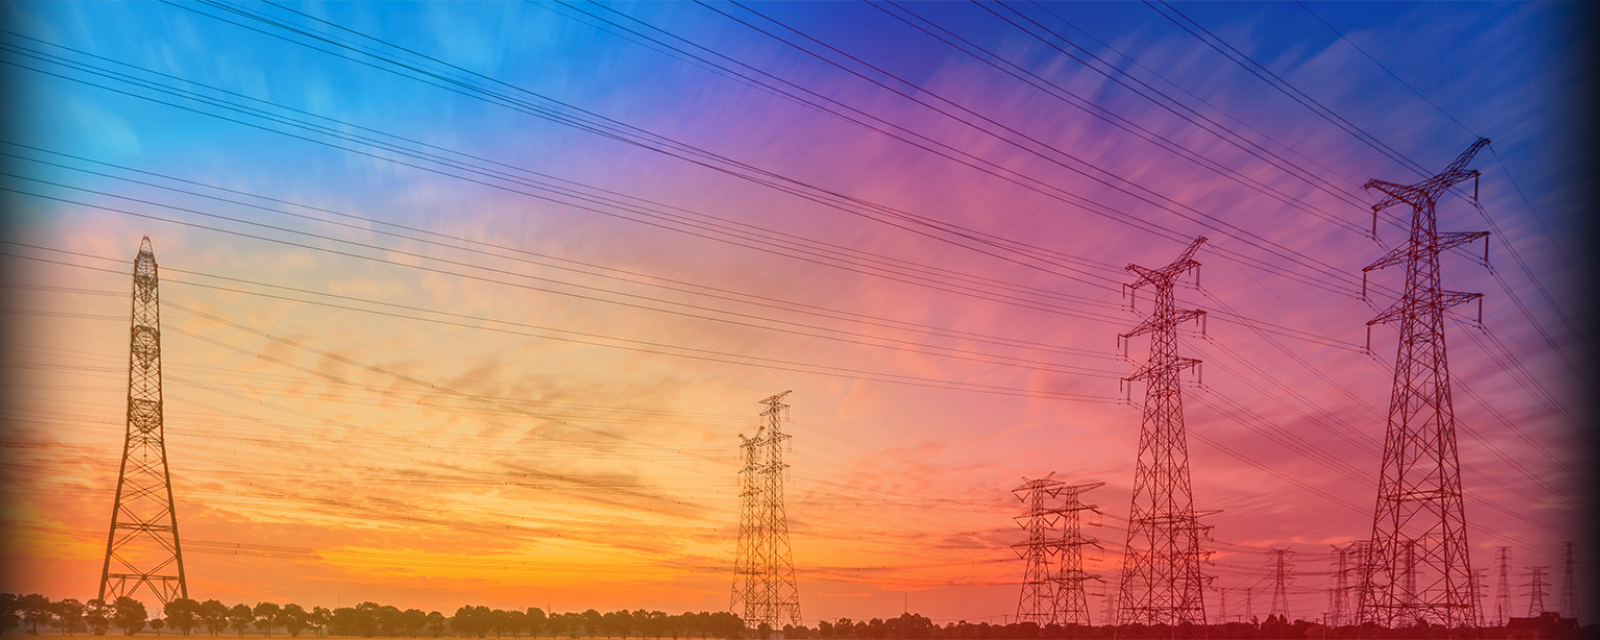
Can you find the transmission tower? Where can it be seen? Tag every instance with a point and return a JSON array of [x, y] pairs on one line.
[[1502, 596], [1161, 581], [1280, 583], [143, 540], [1419, 506], [1222, 605], [1569, 585], [1110, 616], [1036, 603], [1339, 598], [1536, 594], [764, 587], [1249, 603], [1072, 602], [1480, 590]]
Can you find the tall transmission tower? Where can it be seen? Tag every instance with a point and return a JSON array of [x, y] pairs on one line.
[[1280, 583], [1502, 596], [142, 549], [1072, 602], [1161, 580], [1536, 593], [1419, 510], [1569, 585], [1036, 603], [1249, 603], [1222, 605], [764, 587]]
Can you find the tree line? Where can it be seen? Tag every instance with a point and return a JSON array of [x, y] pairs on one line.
[[185, 616], [190, 617]]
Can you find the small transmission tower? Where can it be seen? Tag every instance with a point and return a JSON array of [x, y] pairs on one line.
[[1420, 568], [1036, 603], [1502, 596], [143, 540], [1339, 605], [1072, 602], [1280, 583], [764, 587], [1569, 584], [1161, 581], [1536, 593]]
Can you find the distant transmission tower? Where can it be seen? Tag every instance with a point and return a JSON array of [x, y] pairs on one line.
[[1036, 603], [1480, 592], [1502, 596], [143, 541], [764, 587], [1339, 598], [1419, 510], [1536, 593], [1569, 585], [1072, 602], [1110, 617], [1280, 583], [1161, 581]]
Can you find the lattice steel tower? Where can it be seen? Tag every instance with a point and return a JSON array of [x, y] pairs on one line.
[[764, 587], [1036, 602], [1569, 584], [1536, 593], [1419, 510], [1052, 591], [1161, 580], [1502, 596], [1072, 602], [1342, 606], [143, 539], [1280, 583]]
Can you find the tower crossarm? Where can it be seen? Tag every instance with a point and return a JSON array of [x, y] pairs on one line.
[[1154, 323], [1184, 262], [1444, 299], [1152, 368], [1441, 242], [1428, 190]]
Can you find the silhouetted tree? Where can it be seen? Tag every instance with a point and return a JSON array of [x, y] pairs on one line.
[[70, 613], [181, 613], [436, 623], [240, 617], [294, 619], [318, 619], [129, 615], [97, 615], [535, 618], [35, 610], [266, 614], [213, 616]]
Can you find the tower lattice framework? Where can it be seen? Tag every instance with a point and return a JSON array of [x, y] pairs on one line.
[[142, 548], [1569, 583], [764, 588], [1420, 568], [1536, 592], [1280, 582], [1036, 602], [1072, 600], [1161, 580], [1502, 595], [1345, 598]]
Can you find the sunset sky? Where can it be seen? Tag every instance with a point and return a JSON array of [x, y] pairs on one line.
[[468, 303]]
